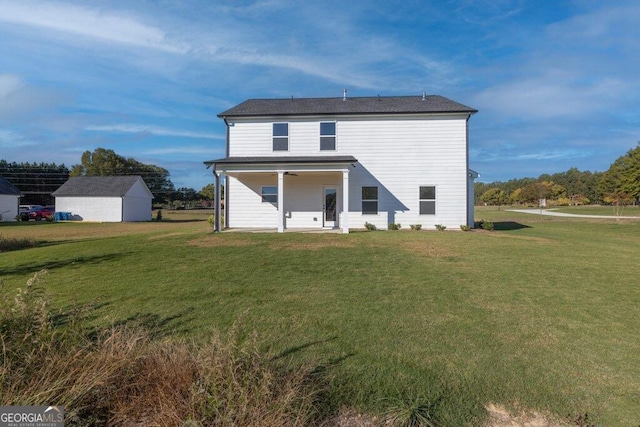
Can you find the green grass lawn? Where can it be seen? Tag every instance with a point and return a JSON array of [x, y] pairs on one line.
[[542, 313]]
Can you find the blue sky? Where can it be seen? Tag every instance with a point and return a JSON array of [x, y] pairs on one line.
[[556, 83]]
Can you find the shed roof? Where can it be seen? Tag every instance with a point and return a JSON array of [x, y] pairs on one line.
[[339, 106], [97, 186], [8, 188]]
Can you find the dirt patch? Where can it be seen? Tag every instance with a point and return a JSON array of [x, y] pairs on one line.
[[312, 246], [349, 418], [427, 250], [215, 241], [162, 236], [500, 417]]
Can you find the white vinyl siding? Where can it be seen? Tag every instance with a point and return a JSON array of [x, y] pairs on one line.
[[94, 209], [135, 205], [136, 209], [8, 207], [402, 154], [398, 154]]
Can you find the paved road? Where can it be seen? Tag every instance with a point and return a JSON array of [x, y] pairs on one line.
[[552, 213]]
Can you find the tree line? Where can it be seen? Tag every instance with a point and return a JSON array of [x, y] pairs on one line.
[[619, 185], [38, 180]]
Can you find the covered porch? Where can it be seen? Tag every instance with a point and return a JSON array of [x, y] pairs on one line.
[[287, 192]]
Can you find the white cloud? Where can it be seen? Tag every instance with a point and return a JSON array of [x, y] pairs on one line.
[[18, 99], [182, 149], [153, 130], [68, 18], [549, 97], [8, 84], [10, 138]]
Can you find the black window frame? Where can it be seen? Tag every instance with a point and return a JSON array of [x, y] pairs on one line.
[[370, 204], [268, 197], [328, 138], [427, 198], [280, 140]]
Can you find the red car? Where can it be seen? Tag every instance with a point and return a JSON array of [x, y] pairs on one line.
[[37, 213]]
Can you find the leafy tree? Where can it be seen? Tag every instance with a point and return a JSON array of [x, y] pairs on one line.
[[494, 197], [515, 196], [622, 180], [532, 193], [208, 192], [103, 162]]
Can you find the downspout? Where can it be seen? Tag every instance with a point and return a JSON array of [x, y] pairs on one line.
[[226, 123], [226, 179], [216, 204], [470, 221]]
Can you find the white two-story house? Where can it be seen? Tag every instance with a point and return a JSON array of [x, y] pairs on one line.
[[342, 162]]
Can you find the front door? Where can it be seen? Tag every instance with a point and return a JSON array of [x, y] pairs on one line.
[[330, 207]]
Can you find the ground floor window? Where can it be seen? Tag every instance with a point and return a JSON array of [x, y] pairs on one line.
[[428, 200], [370, 200], [269, 194]]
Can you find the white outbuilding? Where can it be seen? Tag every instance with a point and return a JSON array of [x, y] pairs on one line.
[[9, 200], [105, 199]]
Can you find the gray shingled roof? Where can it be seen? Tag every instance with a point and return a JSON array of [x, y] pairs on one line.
[[335, 106], [282, 159], [96, 186], [8, 188]]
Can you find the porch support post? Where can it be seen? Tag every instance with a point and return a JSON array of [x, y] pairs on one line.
[[345, 202], [225, 182], [280, 201], [216, 226]]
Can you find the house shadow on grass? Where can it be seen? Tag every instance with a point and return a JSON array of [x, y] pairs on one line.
[[301, 347], [158, 326], [52, 265], [508, 225]]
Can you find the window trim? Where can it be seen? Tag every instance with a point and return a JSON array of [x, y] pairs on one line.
[[275, 137], [376, 200], [267, 196], [434, 199], [333, 135]]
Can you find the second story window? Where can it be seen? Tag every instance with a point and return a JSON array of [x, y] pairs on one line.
[[281, 137], [327, 136]]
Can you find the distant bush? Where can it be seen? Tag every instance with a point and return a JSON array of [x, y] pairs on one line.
[[465, 227], [120, 376], [416, 227], [394, 226], [159, 215], [370, 227], [440, 227]]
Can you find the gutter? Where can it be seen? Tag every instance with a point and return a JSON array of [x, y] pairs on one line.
[[226, 123]]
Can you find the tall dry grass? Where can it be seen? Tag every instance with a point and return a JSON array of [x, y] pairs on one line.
[[121, 377], [15, 243]]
